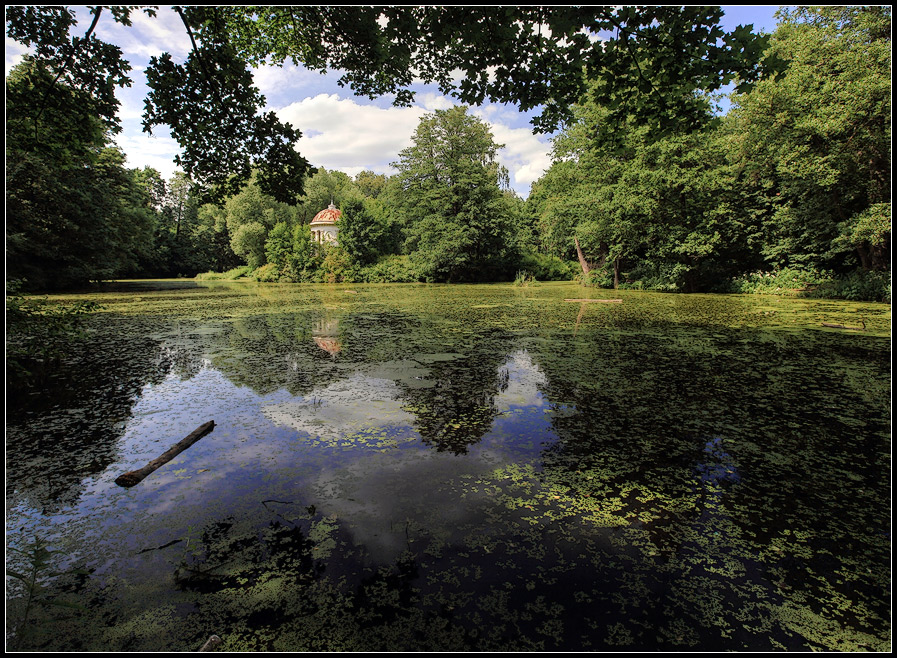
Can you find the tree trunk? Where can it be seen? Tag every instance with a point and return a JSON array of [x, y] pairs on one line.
[[582, 259], [616, 273], [863, 253]]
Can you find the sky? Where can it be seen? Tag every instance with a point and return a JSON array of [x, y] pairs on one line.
[[341, 131]]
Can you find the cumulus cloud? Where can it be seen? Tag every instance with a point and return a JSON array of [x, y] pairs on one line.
[[14, 53], [274, 81], [147, 36], [339, 133], [345, 135], [156, 151], [525, 154]]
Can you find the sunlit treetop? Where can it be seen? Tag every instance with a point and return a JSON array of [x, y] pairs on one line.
[[641, 62]]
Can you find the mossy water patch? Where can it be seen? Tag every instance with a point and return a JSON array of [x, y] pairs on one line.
[[396, 469]]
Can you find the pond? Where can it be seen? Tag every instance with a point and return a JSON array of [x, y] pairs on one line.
[[433, 467]]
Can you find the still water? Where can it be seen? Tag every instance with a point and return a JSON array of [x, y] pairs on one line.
[[424, 467]]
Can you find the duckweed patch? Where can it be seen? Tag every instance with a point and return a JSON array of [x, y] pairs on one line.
[[460, 468]]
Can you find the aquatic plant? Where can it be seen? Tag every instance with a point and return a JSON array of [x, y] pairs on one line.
[[35, 577], [524, 279], [39, 333]]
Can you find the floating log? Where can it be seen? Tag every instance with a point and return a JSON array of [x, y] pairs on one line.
[[606, 301], [843, 326], [134, 477]]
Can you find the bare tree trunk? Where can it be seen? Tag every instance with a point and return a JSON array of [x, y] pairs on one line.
[[863, 253], [616, 273], [582, 259]]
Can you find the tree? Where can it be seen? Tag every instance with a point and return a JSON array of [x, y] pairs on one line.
[[73, 212], [662, 207], [455, 214], [250, 215], [814, 146], [249, 242], [322, 189], [213, 235], [361, 233], [370, 184], [647, 62]]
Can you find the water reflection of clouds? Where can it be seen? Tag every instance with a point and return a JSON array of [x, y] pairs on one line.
[[385, 498], [342, 408], [524, 382]]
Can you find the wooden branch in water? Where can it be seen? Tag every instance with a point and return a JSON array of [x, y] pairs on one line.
[[606, 301], [134, 477], [842, 326]]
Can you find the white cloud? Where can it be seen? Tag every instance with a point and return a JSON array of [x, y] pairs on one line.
[[342, 134], [345, 135], [14, 53], [146, 36], [433, 102], [526, 155], [154, 151], [273, 81]]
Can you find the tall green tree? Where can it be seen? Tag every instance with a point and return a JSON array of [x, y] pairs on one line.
[[457, 219], [661, 207], [322, 189], [362, 233], [73, 212], [814, 146], [251, 214], [370, 183]]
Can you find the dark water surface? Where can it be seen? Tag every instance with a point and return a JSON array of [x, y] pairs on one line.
[[412, 467]]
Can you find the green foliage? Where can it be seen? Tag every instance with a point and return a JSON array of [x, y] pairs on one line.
[[322, 189], [337, 265], [649, 59], [305, 256], [389, 269], [215, 118], [370, 184], [546, 267], [814, 144], [361, 232], [538, 54], [73, 213], [268, 273], [794, 177], [230, 275], [458, 221], [249, 242], [524, 279], [35, 577], [859, 285], [39, 334], [279, 246]]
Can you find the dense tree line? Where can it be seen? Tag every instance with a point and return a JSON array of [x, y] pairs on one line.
[[447, 215], [795, 177]]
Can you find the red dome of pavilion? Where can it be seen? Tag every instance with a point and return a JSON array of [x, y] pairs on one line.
[[330, 215]]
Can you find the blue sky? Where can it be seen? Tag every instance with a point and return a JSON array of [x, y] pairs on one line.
[[340, 131]]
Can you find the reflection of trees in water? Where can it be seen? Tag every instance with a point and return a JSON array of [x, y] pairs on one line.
[[283, 352], [459, 409], [730, 453], [295, 582], [70, 430]]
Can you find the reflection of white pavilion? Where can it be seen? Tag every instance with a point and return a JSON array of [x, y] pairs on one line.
[[326, 335], [323, 226]]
